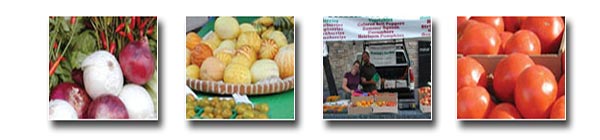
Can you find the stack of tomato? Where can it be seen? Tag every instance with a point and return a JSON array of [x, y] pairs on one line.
[[385, 104], [360, 93], [363, 103], [425, 95], [521, 88]]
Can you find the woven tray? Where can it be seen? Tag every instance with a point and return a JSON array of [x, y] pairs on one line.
[[248, 89]]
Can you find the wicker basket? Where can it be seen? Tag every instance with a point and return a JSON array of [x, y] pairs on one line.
[[249, 89]]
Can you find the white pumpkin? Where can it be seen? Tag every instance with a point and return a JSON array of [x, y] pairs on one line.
[[264, 69], [227, 27]]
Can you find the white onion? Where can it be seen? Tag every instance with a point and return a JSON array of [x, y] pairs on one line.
[[102, 74], [137, 101], [61, 110]]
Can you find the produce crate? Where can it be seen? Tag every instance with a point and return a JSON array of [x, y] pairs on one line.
[[387, 97], [550, 61], [425, 108], [358, 109]]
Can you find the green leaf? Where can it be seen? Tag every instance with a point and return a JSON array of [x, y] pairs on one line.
[[152, 88], [84, 44], [65, 26], [53, 81], [153, 47], [64, 72]]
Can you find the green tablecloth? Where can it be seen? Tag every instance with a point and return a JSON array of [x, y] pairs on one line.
[[281, 105]]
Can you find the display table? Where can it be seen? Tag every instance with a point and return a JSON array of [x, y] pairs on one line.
[[402, 114], [281, 105]]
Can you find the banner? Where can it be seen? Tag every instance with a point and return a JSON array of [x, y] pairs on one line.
[[382, 55], [374, 28]]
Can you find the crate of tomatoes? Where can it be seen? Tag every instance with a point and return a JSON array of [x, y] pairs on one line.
[[385, 103], [425, 99], [511, 68]]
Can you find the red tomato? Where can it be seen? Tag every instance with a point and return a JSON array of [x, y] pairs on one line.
[[535, 92], [561, 86], [558, 109], [473, 103], [523, 41], [504, 36], [548, 29], [562, 59], [463, 25], [513, 24], [504, 111], [496, 22], [470, 73], [506, 73], [478, 38], [460, 20]]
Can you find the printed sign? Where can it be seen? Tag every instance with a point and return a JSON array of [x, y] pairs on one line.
[[374, 28]]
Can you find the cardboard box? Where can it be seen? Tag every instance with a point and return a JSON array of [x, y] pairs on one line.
[[425, 108], [357, 109], [550, 61], [387, 97]]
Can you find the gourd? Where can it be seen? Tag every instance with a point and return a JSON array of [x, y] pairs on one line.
[[264, 69], [250, 39], [212, 69], [188, 55], [268, 49], [212, 40], [192, 40], [285, 61], [244, 56], [265, 21], [237, 74], [227, 27], [241, 60], [225, 51], [246, 27], [200, 53], [278, 37], [192, 71]]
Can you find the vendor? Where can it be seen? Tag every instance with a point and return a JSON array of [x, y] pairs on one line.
[[367, 71], [351, 79]]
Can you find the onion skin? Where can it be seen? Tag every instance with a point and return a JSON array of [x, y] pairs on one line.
[[61, 110], [107, 107], [74, 95], [138, 102], [102, 74], [137, 62], [77, 76]]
